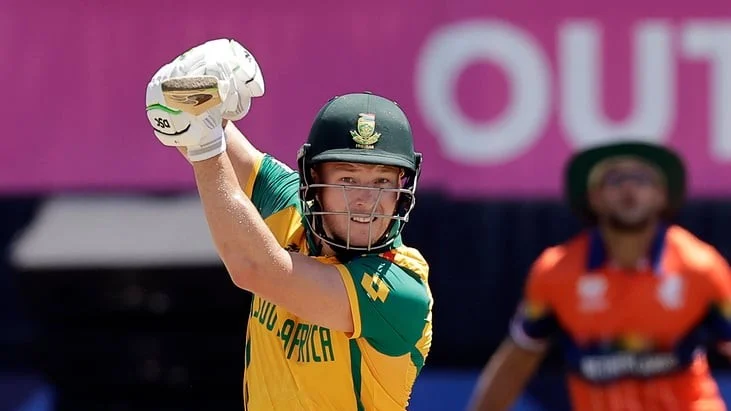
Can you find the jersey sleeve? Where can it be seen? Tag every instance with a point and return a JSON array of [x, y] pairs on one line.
[[534, 322], [719, 293], [272, 186], [390, 305]]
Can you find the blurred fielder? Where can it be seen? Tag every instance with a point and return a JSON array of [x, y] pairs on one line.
[[631, 301], [341, 314]]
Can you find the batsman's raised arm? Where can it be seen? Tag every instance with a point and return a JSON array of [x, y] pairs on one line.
[[188, 100], [255, 259], [243, 155]]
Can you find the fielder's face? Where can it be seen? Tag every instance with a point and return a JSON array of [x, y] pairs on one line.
[[363, 196], [629, 195]]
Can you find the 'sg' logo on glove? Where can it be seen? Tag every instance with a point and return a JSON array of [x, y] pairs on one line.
[[162, 123], [163, 120]]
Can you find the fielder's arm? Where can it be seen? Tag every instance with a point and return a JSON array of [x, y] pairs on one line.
[[504, 377], [256, 261], [718, 292], [508, 371]]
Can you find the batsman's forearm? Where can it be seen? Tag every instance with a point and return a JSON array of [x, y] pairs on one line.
[[243, 241], [242, 154]]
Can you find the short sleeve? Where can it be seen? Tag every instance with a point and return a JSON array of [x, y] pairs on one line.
[[718, 320], [272, 186], [534, 322], [390, 305]]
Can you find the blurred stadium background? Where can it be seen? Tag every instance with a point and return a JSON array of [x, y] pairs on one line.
[[111, 295]]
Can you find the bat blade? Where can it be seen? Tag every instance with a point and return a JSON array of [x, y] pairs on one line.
[[194, 95]]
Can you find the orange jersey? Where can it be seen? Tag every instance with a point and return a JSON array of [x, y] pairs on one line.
[[631, 340]]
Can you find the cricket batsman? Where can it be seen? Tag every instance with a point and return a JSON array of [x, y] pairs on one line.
[[341, 311], [632, 301]]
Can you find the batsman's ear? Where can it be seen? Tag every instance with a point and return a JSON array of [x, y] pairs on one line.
[[315, 174]]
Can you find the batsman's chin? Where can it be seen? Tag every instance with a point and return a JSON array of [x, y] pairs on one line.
[[361, 233]]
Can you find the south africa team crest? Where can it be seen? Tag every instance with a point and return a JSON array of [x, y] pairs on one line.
[[365, 135]]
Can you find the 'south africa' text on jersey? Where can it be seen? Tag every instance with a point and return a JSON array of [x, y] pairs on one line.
[[302, 342]]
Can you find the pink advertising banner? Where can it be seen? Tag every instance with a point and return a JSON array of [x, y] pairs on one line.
[[499, 92]]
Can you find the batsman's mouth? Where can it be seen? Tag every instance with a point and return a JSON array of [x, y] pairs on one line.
[[363, 220]]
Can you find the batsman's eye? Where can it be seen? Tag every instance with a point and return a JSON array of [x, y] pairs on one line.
[[347, 180], [616, 178]]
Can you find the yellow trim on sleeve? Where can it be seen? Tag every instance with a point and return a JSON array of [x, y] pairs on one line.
[[249, 189], [352, 298]]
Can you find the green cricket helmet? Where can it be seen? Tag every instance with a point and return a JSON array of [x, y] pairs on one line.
[[359, 128]]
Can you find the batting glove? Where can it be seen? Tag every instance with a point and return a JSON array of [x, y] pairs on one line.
[[188, 98]]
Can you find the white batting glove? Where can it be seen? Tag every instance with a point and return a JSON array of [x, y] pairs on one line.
[[188, 98], [201, 135]]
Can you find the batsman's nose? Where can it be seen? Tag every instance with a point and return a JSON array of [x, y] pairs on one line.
[[363, 198]]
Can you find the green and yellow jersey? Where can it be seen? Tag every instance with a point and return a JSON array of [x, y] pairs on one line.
[[293, 364]]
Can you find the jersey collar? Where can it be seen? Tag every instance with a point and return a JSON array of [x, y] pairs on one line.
[[597, 255]]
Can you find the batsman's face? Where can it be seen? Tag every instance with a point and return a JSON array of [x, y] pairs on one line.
[[629, 195], [361, 195]]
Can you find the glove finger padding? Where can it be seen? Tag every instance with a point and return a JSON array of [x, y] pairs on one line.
[[239, 75], [246, 81]]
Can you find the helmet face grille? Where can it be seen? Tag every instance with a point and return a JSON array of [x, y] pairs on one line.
[[313, 213]]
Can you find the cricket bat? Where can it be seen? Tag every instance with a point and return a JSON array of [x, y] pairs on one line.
[[193, 95]]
